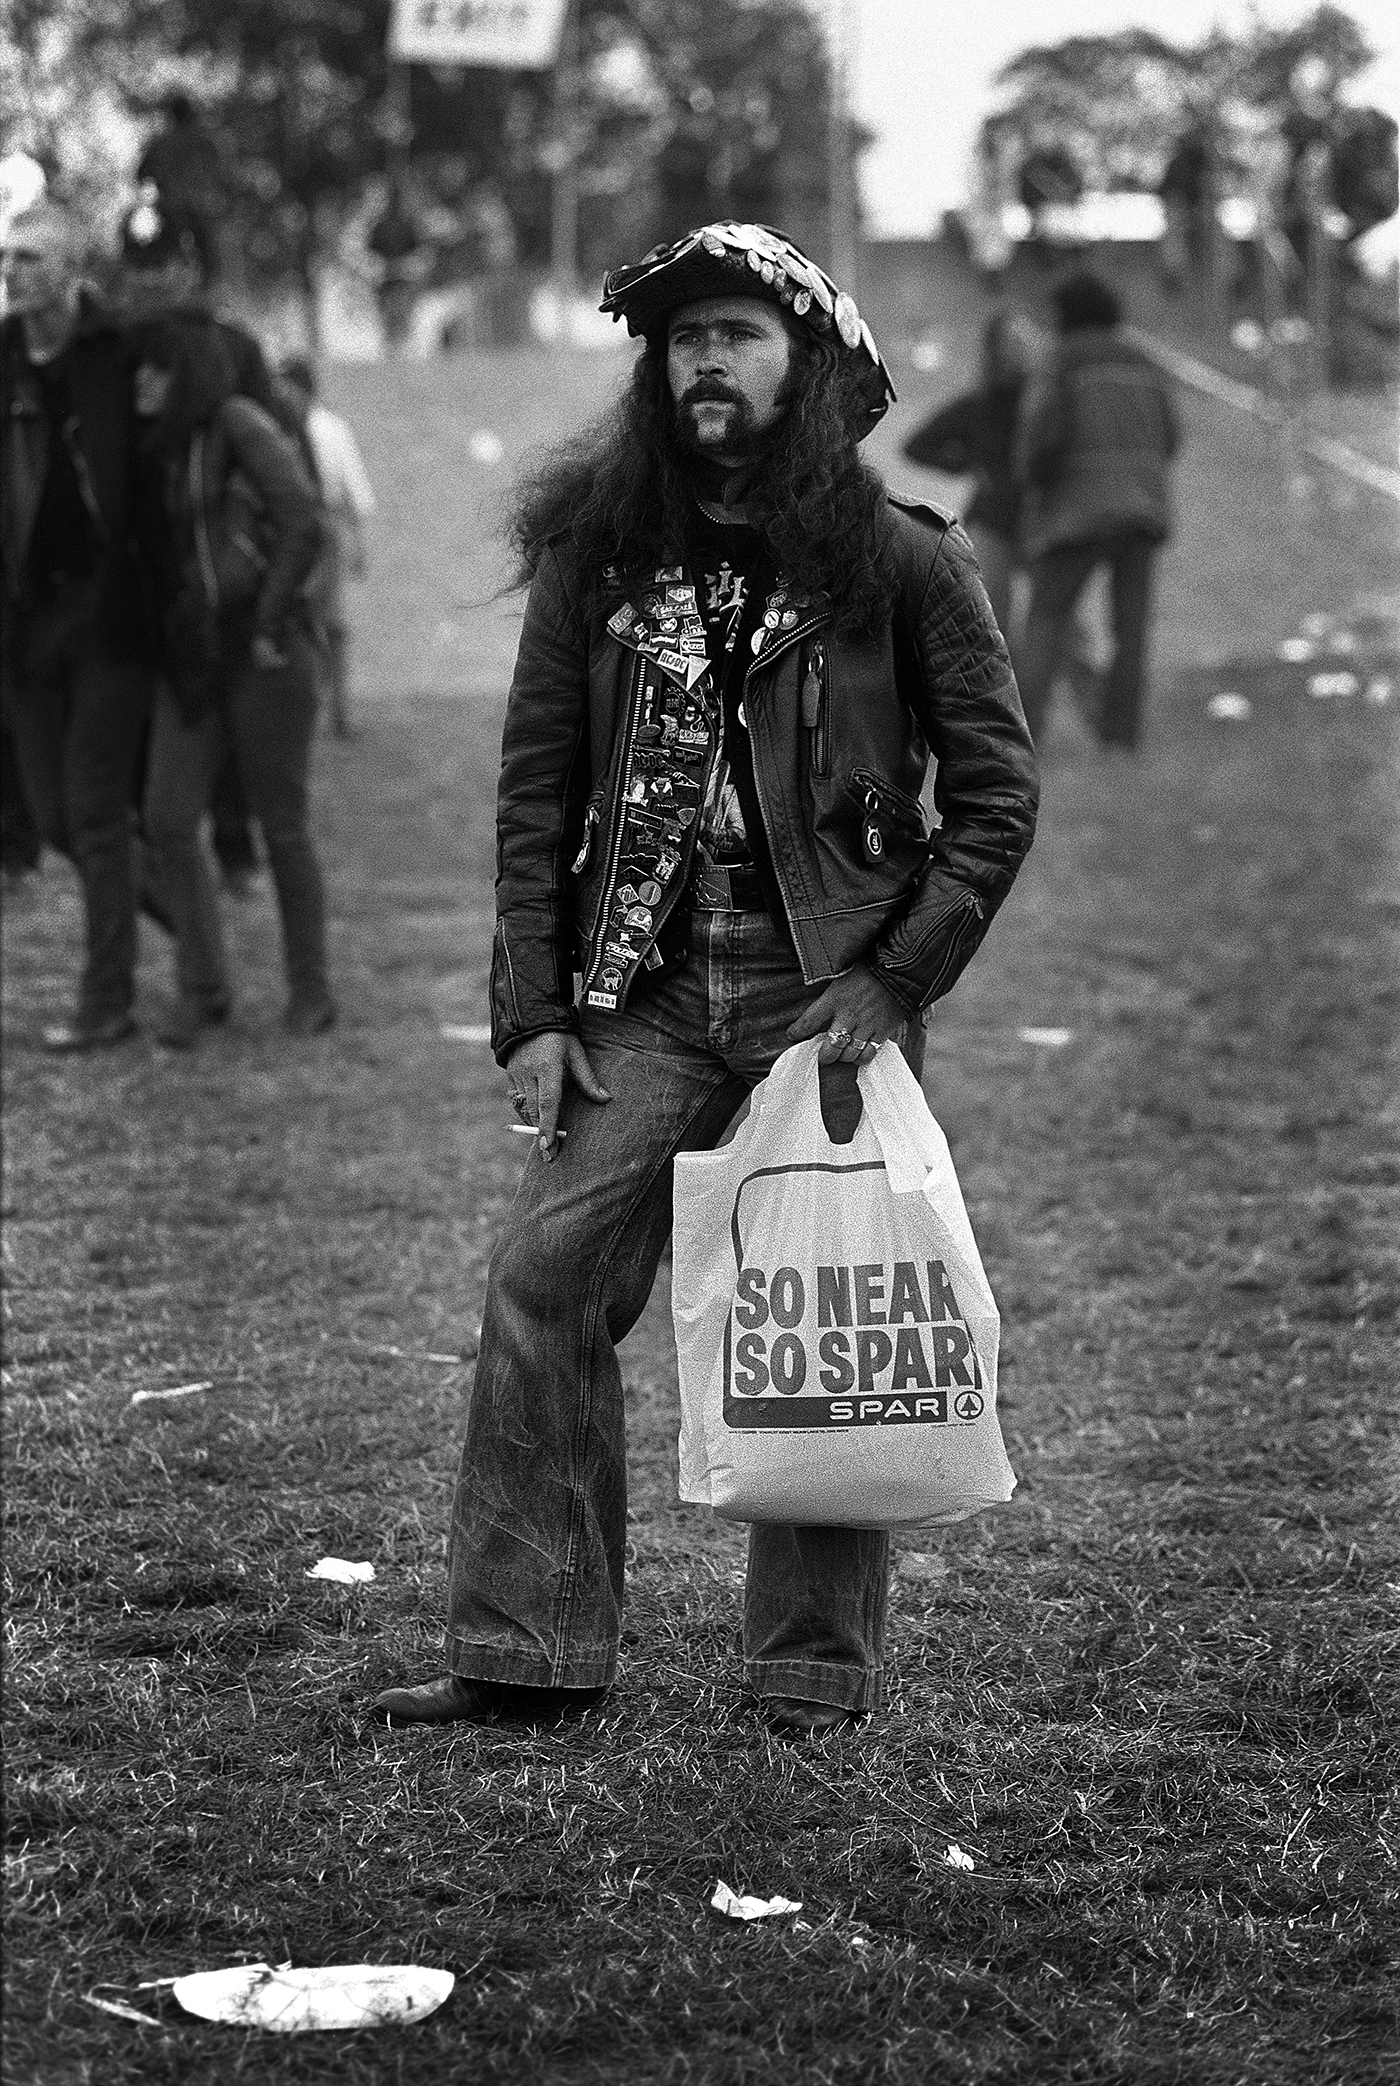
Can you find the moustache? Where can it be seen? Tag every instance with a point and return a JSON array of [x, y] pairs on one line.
[[708, 390]]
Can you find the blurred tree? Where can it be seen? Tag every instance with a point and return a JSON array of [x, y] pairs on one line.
[[1108, 106]]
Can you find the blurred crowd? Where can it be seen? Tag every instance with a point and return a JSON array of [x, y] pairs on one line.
[[179, 523]]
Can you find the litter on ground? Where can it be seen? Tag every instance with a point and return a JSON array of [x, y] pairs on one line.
[[123, 2013], [342, 1570], [1324, 685], [1379, 689], [464, 1032], [734, 1906], [955, 1858], [1046, 1039], [341, 1995], [486, 447], [1296, 651], [178, 1390], [1229, 707]]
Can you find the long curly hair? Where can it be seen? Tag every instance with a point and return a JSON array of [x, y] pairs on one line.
[[621, 493]]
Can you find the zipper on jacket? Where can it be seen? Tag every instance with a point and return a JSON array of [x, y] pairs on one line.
[[971, 908], [816, 707], [590, 827], [792, 637]]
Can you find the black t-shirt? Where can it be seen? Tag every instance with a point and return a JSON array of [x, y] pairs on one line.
[[731, 572]]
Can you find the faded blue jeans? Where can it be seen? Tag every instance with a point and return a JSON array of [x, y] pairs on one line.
[[539, 1519]]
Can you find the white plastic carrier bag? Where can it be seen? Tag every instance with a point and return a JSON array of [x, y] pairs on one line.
[[836, 1332]]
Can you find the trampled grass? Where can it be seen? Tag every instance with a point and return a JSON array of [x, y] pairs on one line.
[[1154, 1698]]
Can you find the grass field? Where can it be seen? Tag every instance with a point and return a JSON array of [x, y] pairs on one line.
[[1154, 1698]]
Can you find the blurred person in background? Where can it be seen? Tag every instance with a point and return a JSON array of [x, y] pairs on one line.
[[1095, 439], [183, 164], [729, 618], [1187, 190], [348, 500], [75, 653], [164, 267], [237, 518], [405, 260], [973, 435]]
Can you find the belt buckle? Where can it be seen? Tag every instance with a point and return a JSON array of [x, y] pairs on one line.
[[714, 893]]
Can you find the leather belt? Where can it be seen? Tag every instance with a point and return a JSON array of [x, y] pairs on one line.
[[735, 888]]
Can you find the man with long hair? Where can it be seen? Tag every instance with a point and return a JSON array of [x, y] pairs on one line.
[[738, 654]]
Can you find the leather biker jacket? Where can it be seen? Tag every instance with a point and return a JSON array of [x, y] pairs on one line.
[[841, 732]]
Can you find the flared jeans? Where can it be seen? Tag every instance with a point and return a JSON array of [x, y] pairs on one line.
[[539, 1518]]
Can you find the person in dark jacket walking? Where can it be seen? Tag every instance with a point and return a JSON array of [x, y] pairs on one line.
[[75, 661], [974, 435], [738, 653], [1095, 440], [240, 523]]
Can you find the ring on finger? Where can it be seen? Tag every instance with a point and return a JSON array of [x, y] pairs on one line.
[[841, 1036]]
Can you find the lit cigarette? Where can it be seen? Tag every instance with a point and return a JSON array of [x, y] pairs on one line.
[[529, 1130]]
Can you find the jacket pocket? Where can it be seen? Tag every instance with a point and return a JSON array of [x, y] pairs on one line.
[[886, 814], [816, 705]]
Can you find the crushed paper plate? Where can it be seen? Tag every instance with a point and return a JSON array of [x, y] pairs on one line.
[[955, 1858], [178, 1390], [733, 1906], [1048, 1039], [342, 1995], [1229, 707], [342, 1570]]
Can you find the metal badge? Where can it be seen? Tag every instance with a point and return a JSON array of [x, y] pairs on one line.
[[640, 916], [649, 892]]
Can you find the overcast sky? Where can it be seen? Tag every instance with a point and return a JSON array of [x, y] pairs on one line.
[[924, 70]]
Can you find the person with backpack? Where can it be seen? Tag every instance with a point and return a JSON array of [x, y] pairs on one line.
[[238, 523]]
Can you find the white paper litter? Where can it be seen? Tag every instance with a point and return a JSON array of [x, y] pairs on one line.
[[486, 447], [342, 1570], [733, 1906], [1229, 707], [341, 1995], [955, 1858], [1379, 689], [1047, 1039], [464, 1032], [1296, 651], [1324, 685], [179, 1390]]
